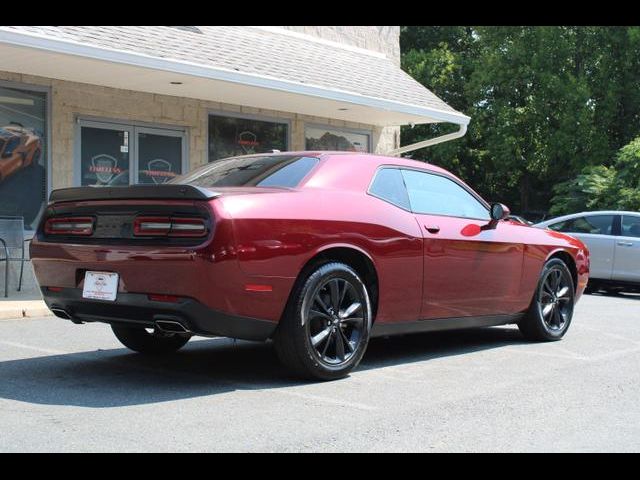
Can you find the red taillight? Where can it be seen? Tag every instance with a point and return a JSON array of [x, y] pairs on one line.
[[151, 226], [69, 226], [169, 227], [187, 227]]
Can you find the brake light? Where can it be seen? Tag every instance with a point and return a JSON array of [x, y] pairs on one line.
[[69, 226], [169, 226]]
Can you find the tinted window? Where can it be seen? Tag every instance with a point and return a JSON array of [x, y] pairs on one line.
[[231, 136], [438, 195], [631, 226], [271, 171], [594, 224], [389, 185], [23, 130]]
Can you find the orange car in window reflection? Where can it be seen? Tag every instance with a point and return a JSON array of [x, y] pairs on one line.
[[20, 147]]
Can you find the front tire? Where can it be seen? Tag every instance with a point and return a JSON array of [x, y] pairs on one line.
[[325, 329], [551, 310], [140, 340]]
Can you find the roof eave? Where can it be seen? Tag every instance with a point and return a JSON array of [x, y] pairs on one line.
[[70, 47]]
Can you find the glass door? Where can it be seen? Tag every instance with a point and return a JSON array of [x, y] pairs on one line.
[[105, 154], [114, 154], [160, 155]]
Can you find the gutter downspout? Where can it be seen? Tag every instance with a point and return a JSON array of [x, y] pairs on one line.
[[428, 143]]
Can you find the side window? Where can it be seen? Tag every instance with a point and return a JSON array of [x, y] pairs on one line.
[[388, 185], [594, 224], [438, 195], [630, 226], [561, 226]]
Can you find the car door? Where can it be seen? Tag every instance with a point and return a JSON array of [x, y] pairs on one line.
[[626, 264], [468, 270], [596, 232]]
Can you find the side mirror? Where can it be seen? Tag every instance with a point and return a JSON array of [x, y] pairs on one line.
[[499, 211]]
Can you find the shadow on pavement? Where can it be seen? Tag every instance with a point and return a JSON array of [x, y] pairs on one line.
[[118, 377], [615, 294]]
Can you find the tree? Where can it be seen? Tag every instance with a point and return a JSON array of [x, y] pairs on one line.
[[603, 188], [545, 102]]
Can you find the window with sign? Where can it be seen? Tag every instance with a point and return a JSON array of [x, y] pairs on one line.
[[234, 136], [323, 138], [23, 152], [115, 154]]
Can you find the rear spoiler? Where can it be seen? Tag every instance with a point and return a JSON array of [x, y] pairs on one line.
[[169, 192]]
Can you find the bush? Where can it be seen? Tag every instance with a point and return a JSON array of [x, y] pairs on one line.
[[601, 187]]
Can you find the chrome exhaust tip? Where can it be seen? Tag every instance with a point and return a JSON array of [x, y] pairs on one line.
[[59, 312], [170, 326]]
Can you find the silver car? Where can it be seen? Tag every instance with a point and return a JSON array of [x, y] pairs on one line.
[[613, 239]]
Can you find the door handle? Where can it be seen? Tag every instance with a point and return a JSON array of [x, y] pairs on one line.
[[432, 228], [625, 244]]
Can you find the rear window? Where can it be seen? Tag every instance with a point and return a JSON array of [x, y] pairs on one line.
[[268, 171]]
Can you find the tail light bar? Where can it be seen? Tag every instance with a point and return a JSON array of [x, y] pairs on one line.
[[69, 226], [169, 227]]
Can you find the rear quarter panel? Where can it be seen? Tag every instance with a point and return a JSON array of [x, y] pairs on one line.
[[277, 234]]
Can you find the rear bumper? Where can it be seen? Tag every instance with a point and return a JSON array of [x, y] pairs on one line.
[[137, 309]]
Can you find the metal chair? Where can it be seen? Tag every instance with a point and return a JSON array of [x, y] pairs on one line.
[[11, 240]]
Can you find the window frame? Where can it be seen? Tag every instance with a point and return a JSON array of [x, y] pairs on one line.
[[439, 174], [133, 127], [358, 131], [246, 116], [46, 89]]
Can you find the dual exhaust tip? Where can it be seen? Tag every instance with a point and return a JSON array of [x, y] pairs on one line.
[[161, 325]]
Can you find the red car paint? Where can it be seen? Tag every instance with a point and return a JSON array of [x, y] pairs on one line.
[[263, 237]]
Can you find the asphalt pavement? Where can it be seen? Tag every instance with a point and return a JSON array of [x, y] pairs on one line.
[[66, 387]]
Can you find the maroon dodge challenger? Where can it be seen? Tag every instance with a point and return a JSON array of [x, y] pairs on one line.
[[318, 251]]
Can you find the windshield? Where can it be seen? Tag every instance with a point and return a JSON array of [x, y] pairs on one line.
[[255, 171]]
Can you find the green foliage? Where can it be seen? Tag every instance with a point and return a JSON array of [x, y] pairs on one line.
[[601, 188], [545, 103]]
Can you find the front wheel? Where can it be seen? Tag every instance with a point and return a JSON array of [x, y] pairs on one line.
[[325, 330], [142, 341], [551, 310]]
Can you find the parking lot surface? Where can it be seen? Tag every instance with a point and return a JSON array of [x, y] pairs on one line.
[[66, 387]]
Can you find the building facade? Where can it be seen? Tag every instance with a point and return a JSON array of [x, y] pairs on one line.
[[121, 105]]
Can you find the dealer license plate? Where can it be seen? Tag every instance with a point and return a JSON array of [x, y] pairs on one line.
[[100, 286]]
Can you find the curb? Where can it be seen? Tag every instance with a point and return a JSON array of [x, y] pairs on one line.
[[18, 312]]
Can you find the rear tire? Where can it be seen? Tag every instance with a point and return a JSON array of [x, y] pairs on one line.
[[139, 340], [325, 330], [551, 310]]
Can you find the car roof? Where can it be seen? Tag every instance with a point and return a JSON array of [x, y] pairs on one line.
[[357, 157], [587, 213]]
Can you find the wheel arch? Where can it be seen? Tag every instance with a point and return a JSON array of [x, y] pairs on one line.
[[355, 257], [569, 261]]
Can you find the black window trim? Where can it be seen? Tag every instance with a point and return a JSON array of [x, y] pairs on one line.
[[439, 174]]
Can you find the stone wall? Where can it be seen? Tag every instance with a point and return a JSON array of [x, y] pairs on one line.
[[70, 100]]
